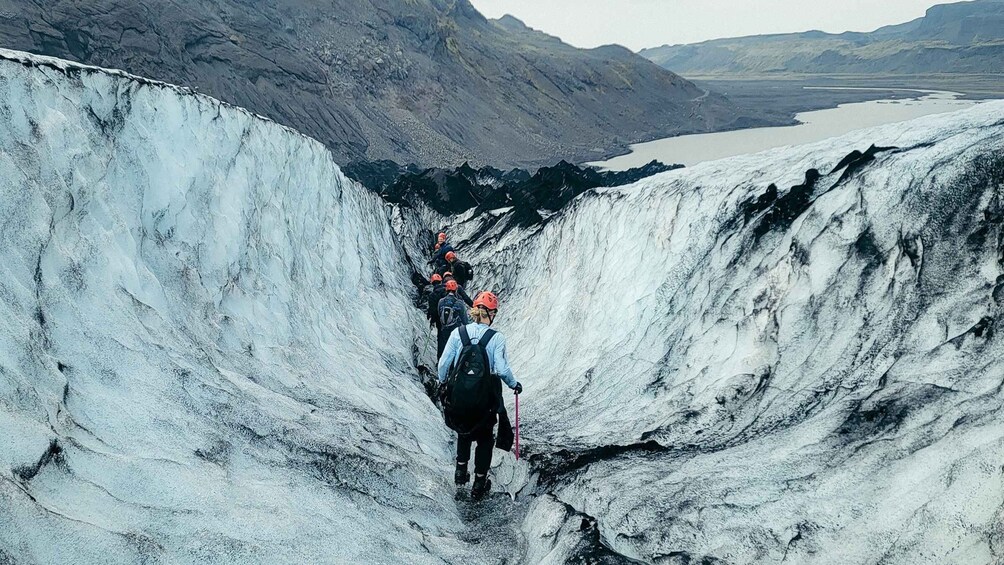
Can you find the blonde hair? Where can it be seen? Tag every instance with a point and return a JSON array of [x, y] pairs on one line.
[[479, 315]]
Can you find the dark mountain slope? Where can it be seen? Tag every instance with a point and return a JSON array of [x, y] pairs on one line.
[[426, 81]]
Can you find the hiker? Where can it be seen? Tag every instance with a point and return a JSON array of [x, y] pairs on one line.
[[461, 292], [452, 314], [475, 362], [461, 270], [435, 295], [439, 292], [438, 260]]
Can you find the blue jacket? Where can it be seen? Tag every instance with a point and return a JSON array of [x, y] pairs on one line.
[[439, 259], [496, 354]]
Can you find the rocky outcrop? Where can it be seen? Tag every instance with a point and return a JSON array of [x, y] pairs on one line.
[[455, 191]]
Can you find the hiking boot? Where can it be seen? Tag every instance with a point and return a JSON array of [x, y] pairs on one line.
[[482, 485], [461, 476]]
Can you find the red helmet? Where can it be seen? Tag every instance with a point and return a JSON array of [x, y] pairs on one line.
[[438, 245], [451, 256], [436, 278], [451, 285], [442, 238], [487, 300]]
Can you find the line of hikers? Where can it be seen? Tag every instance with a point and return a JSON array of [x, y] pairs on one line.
[[472, 366]]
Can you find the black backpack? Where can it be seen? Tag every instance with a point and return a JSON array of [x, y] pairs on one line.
[[450, 312], [438, 293], [468, 272], [471, 399]]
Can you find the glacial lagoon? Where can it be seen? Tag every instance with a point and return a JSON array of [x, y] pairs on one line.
[[815, 126]]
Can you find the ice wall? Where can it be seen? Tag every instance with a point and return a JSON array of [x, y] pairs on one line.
[[719, 371], [207, 345]]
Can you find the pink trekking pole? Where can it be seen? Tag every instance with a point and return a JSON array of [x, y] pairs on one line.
[[517, 426]]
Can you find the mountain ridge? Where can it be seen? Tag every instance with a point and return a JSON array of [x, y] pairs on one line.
[[964, 37]]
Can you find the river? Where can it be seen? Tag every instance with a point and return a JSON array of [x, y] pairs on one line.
[[815, 126]]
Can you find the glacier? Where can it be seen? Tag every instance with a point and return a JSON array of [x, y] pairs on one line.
[[210, 351]]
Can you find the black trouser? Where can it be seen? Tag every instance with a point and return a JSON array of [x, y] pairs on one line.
[[443, 336], [483, 454]]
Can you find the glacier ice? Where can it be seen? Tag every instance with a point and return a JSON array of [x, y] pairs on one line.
[[210, 326], [721, 371], [209, 349]]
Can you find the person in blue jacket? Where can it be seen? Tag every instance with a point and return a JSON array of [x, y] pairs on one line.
[[439, 263], [452, 315], [482, 315]]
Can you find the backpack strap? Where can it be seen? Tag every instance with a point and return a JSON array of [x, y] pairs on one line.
[[465, 340], [486, 338], [483, 346]]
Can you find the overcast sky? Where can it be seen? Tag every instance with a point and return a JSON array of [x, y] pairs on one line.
[[648, 23]]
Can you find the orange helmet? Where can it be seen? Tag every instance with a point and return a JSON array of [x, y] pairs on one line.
[[451, 256], [487, 300], [442, 238], [451, 285], [436, 278]]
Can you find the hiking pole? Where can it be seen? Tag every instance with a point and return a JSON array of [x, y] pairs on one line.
[[517, 426]]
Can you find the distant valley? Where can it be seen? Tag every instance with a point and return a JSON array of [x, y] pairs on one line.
[[957, 47], [965, 38]]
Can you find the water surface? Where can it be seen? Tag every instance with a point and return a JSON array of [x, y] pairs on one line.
[[816, 125]]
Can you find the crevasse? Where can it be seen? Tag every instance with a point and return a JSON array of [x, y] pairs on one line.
[[208, 348]]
